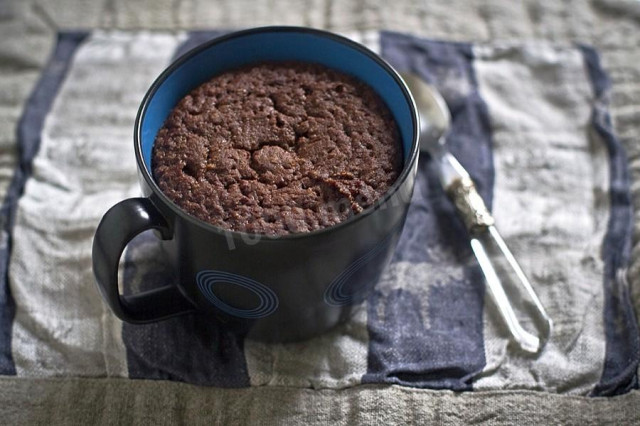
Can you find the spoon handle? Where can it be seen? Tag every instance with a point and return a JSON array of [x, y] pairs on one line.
[[481, 225]]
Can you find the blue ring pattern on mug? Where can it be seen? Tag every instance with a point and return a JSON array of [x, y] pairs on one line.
[[335, 294], [207, 279]]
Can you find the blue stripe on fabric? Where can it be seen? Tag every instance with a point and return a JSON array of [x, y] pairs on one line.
[[190, 348], [619, 374], [445, 350], [28, 135]]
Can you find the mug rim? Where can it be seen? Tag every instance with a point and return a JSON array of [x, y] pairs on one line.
[[148, 177]]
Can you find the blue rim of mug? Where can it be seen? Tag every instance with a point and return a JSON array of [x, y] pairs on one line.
[[412, 158]]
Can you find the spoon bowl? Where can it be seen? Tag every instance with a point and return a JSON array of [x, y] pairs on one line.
[[435, 118]]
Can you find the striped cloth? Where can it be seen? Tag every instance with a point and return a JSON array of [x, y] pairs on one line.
[[530, 123]]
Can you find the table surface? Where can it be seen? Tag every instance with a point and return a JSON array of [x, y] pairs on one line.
[[27, 30]]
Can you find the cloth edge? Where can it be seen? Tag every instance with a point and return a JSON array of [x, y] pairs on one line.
[[47, 400]]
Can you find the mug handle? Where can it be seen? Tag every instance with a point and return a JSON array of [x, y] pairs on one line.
[[117, 228]]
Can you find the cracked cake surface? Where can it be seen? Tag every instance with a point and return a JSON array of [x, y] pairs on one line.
[[277, 148]]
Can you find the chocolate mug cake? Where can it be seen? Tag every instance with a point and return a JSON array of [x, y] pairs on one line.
[[283, 148], [277, 148]]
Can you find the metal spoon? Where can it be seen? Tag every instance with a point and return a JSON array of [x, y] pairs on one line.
[[435, 121]]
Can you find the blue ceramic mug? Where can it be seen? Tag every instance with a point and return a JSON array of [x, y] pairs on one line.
[[273, 288]]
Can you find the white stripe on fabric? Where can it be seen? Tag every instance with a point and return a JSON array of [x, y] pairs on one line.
[[336, 359], [85, 165], [551, 204], [369, 39]]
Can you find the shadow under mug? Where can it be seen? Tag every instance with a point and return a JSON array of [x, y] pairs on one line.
[[273, 288]]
